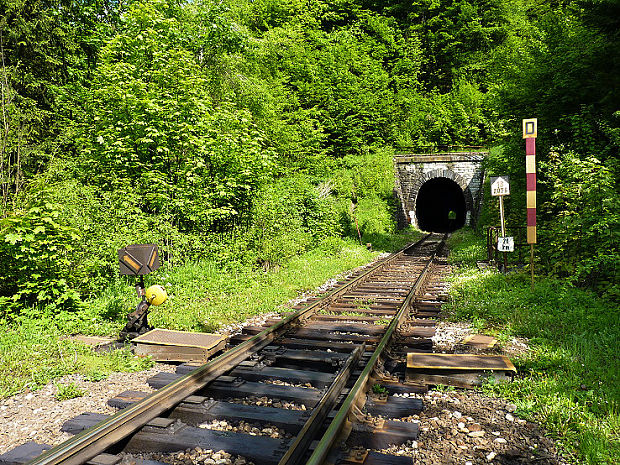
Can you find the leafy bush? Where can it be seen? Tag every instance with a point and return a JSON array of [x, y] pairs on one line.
[[289, 216], [34, 254], [189, 157], [374, 216], [584, 203]]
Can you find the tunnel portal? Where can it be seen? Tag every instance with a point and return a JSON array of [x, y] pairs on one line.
[[429, 186], [440, 206]]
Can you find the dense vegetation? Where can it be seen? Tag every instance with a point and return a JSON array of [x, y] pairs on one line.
[[254, 130]]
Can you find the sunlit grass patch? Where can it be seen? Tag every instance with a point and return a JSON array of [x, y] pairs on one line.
[[32, 353], [569, 379], [68, 391]]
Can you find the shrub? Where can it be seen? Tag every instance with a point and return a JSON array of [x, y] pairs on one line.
[[288, 217], [34, 255]]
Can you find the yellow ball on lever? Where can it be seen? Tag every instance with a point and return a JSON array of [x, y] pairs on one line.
[[156, 295]]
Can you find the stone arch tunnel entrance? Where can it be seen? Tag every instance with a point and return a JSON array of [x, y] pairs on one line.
[[440, 206], [429, 186]]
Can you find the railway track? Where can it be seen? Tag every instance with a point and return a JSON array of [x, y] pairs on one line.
[[333, 358]]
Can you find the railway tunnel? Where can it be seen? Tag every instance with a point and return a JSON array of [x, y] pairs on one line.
[[439, 192], [440, 206]]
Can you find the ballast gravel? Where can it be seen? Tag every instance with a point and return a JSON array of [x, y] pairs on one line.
[[38, 416], [197, 456], [465, 427]]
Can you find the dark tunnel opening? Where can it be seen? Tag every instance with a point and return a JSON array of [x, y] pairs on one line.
[[440, 206]]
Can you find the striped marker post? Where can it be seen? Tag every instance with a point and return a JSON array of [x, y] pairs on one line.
[[530, 131]]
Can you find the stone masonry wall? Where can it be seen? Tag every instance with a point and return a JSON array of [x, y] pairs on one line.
[[412, 171]]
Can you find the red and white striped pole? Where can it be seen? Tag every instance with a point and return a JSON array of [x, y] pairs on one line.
[[530, 131]]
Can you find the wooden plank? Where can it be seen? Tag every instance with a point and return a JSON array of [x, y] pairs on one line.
[[326, 335], [307, 356], [463, 380], [23, 453], [459, 362], [338, 318], [83, 421], [370, 329], [396, 387], [417, 344], [259, 449], [479, 341], [424, 331], [178, 346], [126, 398], [162, 379], [242, 388], [394, 407], [169, 337], [310, 344], [197, 410], [171, 353], [380, 437], [426, 314], [316, 379]]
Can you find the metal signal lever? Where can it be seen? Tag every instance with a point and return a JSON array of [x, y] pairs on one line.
[[138, 260], [137, 321]]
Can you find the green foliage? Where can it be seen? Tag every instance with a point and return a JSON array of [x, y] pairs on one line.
[[188, 158], [68, 391], [378, 389], [47, 48], [34, 350], [583, 244], [254, 130], [34, 250], [289, 216], [466, 248], [374, 216]]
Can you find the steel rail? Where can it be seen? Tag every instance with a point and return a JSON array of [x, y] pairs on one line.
[[319, 413], [95, 440], [335, 428]]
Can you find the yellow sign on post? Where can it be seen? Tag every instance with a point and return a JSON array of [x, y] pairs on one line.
[[530, 128]]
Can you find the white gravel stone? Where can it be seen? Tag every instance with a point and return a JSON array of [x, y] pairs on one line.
[[38, 416]]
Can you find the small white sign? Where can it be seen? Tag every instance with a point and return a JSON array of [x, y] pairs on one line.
[[500, 185], [505, 244]]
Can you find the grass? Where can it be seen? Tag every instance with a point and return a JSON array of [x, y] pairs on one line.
[[569, 380], [203, 297], [68, 391], [34, 352]]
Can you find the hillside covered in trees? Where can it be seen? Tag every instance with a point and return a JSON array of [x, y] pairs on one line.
[[253, 130]]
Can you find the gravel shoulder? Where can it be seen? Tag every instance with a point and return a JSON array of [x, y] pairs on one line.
[[38, 416], [464, 427]]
